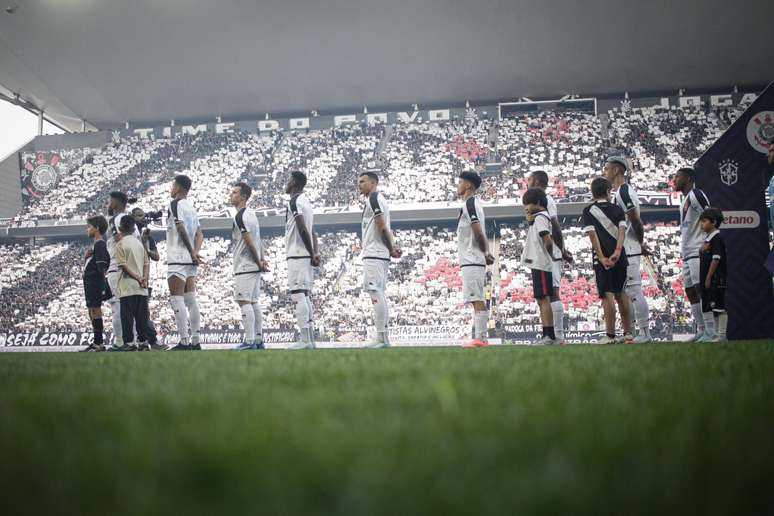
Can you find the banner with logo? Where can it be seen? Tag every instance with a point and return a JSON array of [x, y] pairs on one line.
[[515, 334], [733, 174], [41, 172]]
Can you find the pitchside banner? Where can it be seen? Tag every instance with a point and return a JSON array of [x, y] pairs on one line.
[[733, 174]]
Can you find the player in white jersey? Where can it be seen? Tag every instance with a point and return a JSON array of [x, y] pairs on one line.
[[184, 242], [302, 256], [691, 240], [249, 262], [378, 246], [539, 179], [116, 211], [626, 198], [473, 254]]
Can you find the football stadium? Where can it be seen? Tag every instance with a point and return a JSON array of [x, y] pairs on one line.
[[337, 257]]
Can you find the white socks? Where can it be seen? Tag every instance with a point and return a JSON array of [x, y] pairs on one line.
[[722, 324], [381, 310], [303, 315], [257, 323], [698, 318], [641, 310], [709, 324], [181, 317], [480, 322], [115, 320], [557, 308], [248, 322], [193, 313], [310, 307]]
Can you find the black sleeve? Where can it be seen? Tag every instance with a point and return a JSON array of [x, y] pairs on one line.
[[618, 215], [717, 249], [702, 199], [240, 223], [373, 200], [293, 208], [626, 198], [586, 220], [470, 204], [173, 210], [152, 243], [101, 256]]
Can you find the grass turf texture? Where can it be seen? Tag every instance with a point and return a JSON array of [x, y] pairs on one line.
[[598, 430]]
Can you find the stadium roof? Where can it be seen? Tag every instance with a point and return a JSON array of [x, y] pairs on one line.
[[147, 61]]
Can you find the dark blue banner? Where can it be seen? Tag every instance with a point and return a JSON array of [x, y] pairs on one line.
[[733, 173]]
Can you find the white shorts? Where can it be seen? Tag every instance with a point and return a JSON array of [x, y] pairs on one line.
[[181, 271], [691, 272], [300, 274], [633, 272], [473, 281], [375, 275], [112, 279], [557, 267], [247, 287]]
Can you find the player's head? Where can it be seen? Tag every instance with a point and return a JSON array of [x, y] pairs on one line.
[[615, 166], [468, 182], [181, 185], [240, 193], [600, 189], [711, 219], [126, 226], [537, 179], [296, 182], [534, 200], [117, 202], [367, 182], [96, 226], [684, 179], [138, 215]]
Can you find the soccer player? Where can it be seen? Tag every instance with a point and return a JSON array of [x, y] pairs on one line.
[[95, 285], [712, 257], [378, 246], [184, 242], [473, 253], [117, 202], [134, 269], [248, 265], [538, 255], [153, 253], [691, 240], [539, 179], [605, 223], [302, 256], [626, 198]]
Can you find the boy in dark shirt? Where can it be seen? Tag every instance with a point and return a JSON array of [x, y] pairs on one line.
[[95, 286], [713, 265], [605, 223]]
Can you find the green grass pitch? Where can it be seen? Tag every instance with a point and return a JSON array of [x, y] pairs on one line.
[[653, 429]]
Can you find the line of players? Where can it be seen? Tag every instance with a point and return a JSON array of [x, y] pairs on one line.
[[615, 230]]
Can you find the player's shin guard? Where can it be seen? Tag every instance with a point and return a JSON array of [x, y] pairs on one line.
[[248, 322], [722, 324], [302, 315], [641, 310], [98, 327], [115, 316], [480, 322], [258, 323], [381, 310], [558, 310], [709, 324], [193, 313], [181, 317], [698, 318]]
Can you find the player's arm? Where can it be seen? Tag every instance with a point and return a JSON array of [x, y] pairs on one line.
[[595, 245], [387, 237], [101, 257], [306, 238], [152, 251], [544, 232], [619, 242], [481, 241], [711, 272], [145, 271], [254, 252]]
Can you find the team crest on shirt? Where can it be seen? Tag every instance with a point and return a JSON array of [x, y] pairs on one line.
[[760, 131], [729, 171]]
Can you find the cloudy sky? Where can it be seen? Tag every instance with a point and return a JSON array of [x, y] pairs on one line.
[[17, 127]]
